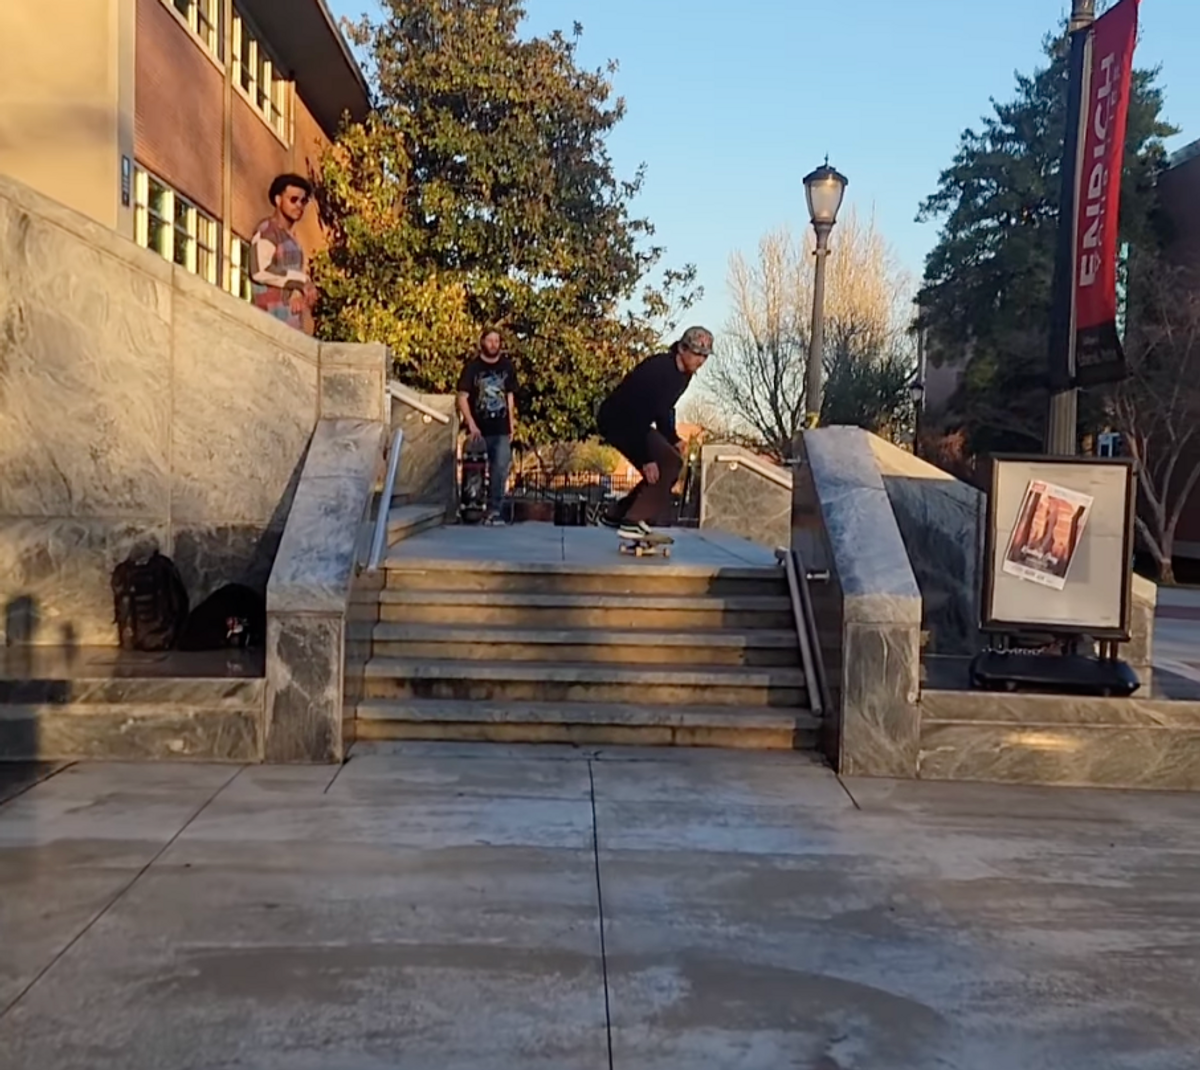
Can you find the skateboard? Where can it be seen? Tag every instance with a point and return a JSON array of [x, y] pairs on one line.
[[473, 483], [646, 545]]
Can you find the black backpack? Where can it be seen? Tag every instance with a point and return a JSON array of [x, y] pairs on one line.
[[150, 603], [232, 616]]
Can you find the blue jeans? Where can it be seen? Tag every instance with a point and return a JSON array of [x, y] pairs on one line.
[[499, 453]]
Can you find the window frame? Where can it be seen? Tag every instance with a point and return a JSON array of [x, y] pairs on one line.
[[200, 231], [205, 21], [274, 106], [239, 284]]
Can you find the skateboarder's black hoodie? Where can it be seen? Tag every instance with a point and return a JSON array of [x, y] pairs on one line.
[[645, 397]]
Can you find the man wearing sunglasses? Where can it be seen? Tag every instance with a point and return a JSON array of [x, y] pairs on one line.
[[279, 284]]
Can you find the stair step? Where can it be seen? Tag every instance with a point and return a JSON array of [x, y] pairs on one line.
[[734, 647], [566, 578], [585, 610], [611, 724], [574, 682], [405, 521]]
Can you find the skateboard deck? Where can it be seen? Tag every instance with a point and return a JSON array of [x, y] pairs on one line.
[[646, 545]]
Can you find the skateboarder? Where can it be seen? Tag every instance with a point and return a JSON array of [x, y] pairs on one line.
[[485, 402], [638, 418]]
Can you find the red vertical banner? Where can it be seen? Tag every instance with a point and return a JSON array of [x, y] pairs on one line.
[[1098, 354]]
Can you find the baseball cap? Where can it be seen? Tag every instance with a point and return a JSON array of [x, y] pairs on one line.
[[698, 340]]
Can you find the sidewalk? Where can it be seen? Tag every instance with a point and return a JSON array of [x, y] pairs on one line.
[[1177, 633], [435, 907]]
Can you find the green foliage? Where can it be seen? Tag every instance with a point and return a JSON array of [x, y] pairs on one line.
[[987, 283], [480, 194], [869, 389]]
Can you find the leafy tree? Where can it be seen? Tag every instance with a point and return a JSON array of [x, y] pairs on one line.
[[1157, 409], [986, 294], [480, 193], [757, 378]]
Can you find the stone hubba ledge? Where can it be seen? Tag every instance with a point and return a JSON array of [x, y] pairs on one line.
[[315, 562], [428, 465], [878, 720], [940, 520], [742, 501], [354, 381], [1139, 651], [877, 581], [309, 591]]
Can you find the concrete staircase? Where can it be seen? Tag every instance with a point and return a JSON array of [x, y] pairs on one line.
[[555, 653]]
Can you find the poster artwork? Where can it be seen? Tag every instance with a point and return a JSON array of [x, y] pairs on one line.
[[1047, 533]]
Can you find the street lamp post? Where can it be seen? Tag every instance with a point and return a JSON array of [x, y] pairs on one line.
[[824, 188], [916, 390], [1062, 422]]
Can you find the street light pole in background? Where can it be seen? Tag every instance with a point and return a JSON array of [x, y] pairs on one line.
[[1062, 422], [824, 189]]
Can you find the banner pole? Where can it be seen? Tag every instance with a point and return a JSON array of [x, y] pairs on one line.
[[1062, 422]]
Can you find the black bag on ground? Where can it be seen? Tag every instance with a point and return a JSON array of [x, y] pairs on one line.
[[232, 616], [150, 603]]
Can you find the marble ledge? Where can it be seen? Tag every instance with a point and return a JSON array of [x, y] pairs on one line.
[[879, 719], [146, 733], [304, 688], [349, 393], [23, 200], [1018, 711], [1069, 755], [881, 608], [314, 566], [344, 449], [235, 311], [364, 355], [842, 457]]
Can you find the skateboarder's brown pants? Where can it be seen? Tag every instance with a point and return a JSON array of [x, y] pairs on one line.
[[650, 500]]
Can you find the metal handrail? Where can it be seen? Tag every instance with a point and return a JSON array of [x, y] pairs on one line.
[[805, 639], [400, 392], [385, 501], [803, 578], [734, 459]]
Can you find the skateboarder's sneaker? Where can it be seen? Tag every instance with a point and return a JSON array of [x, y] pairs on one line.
[[643, 533]]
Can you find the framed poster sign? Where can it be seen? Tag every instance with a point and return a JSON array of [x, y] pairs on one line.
[[1058, 546]]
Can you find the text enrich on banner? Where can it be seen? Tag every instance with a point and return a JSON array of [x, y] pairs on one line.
[[1099, 357]]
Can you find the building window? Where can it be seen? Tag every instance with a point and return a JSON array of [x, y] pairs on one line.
[[258, 77], [203, 17], [176, 229], [239, 267]]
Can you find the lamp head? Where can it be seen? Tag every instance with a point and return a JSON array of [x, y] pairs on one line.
[[824, 189]]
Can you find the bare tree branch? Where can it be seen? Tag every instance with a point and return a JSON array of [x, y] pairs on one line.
[[1157, 408], [757, 378]]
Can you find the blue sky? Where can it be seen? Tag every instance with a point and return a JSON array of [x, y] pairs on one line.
[[732, 102]]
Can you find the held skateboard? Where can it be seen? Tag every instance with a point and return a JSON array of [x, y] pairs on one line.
[[646, 545]]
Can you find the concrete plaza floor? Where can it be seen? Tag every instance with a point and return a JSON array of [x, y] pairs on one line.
[[572, 547], [440, 907]]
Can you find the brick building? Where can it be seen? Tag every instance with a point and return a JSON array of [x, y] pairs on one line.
[[1179, 188], [167, 119]]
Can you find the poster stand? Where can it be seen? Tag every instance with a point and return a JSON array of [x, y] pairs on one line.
[[1057, 576]]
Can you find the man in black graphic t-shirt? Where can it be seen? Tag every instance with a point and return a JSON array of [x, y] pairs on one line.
[[485, 401]]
